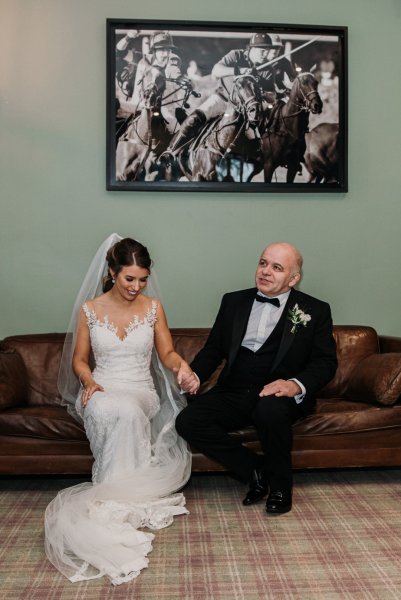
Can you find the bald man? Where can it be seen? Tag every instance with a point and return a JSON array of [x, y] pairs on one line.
[[279, 351]]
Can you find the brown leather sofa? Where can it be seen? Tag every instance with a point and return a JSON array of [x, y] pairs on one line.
[[357, 422]]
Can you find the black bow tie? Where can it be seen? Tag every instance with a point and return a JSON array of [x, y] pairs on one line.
[[274, 301]]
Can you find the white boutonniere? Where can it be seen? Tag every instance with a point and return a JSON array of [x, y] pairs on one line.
[[297, 317]]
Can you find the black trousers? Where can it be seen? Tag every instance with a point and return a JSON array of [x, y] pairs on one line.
[[206, 422]]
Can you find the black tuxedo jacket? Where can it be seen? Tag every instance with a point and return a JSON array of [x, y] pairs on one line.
[[307, 354]]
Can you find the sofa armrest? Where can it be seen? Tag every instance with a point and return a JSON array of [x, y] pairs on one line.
[[13, 380], [376, 379]]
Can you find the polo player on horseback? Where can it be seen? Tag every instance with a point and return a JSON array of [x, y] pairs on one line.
[[274, 81], [150, 124], [160, 56]]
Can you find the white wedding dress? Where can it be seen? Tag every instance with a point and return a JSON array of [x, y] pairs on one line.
[[95, 529]]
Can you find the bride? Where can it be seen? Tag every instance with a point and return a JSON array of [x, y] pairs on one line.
[[128, 404]]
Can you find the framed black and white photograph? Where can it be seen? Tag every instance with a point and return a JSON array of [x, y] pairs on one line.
[[209, 106]]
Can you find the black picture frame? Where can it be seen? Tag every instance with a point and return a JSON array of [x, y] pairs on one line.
[[136, 156]]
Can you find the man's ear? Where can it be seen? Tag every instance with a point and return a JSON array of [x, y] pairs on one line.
[[294, 279]]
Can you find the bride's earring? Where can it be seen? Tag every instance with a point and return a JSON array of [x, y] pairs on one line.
[[113, 280]]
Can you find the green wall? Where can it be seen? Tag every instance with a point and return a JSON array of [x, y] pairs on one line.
[[55, 210]]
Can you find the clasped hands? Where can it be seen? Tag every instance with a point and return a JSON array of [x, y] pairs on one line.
[[187, 379]]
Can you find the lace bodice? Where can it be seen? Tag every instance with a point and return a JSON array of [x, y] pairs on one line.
[[124, 359]]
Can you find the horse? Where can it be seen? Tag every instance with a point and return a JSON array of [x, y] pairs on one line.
[[147, 135], [283, 131], [213, 154], [322, 155]]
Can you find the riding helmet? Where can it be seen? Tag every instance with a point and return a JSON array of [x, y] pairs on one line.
[[265, 40], [160, 40]]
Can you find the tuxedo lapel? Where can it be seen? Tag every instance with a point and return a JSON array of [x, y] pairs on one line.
[[241, 318], [287, 337]]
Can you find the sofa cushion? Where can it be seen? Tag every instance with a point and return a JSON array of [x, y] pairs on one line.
[[13, 380], [44, 422], [377, 379]]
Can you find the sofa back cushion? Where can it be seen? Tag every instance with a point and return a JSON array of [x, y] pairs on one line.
[[13, 380], [41, 354], [188, 342], [354, 343]]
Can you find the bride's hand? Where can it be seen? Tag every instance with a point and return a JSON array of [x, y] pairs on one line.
[[187, 379], [89, 390]]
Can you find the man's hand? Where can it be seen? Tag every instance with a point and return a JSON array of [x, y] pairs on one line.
[[132, 33], [281, 387], [187, 379], [248, 71]]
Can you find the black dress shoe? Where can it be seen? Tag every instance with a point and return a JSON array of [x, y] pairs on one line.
[[258, 488], [279, 502]]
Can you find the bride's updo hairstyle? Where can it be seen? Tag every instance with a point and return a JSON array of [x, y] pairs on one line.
[[125, 253]]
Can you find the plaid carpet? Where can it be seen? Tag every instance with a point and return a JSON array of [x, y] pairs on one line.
[[342, 540]]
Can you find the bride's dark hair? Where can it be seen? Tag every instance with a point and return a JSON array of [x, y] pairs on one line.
[[125, 253]]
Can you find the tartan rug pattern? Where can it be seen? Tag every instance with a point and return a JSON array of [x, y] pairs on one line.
[[342, 540]]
